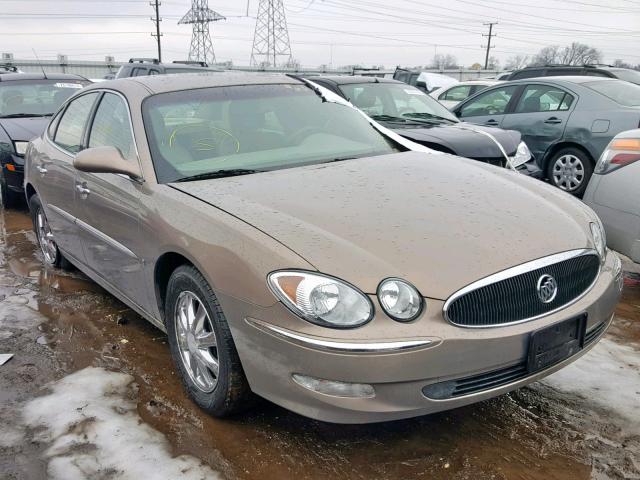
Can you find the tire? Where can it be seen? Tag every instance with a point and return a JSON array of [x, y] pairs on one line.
[[219, 395], [10, 199], [50, 253], [570, 170]]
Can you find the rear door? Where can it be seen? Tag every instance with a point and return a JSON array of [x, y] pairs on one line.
[[56, 187], [488, 107], [540, 115], [109, 206]]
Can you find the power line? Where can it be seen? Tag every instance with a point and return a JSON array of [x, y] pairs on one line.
[[486, 58], [157, 21]]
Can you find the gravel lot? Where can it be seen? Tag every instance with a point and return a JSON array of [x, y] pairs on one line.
[[92, 393]]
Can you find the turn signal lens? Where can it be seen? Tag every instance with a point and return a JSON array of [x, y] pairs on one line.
[[321, 299], [620, 153], [625, 144]]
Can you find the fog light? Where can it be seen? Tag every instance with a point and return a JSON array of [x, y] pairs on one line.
[[335, 388]]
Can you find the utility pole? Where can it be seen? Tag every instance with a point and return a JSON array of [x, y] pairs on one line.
[[491, 34], [271, 37], [200, 16], [156, 5]]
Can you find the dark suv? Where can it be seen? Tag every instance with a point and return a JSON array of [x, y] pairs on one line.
[[138, 67], [609, 71]]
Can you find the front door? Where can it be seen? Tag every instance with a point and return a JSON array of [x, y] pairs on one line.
[[55, 164], [108, 214], [488, 108], [541, 116]]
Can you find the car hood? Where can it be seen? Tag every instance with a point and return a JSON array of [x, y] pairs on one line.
[[464, 139], [24, 129], [436, 220]]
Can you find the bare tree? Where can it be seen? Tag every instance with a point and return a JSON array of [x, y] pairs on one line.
[[494, 63], [621, 63], [575, 54], [516, 62], [444, 61], [547, 56], [579, 54]]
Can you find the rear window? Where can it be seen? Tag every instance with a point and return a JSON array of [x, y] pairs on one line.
[[621, 92]]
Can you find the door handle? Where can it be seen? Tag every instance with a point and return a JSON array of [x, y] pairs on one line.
[[82, 190], [553, 120], [41, 169], [491, 122]]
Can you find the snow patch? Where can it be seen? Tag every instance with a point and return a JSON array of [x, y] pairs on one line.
[[93, 430], [608, 375]]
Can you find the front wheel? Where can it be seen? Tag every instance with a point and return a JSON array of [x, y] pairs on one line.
[[570, 170], [202, 346], [50, 252]]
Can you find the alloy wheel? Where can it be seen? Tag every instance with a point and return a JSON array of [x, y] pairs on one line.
[[45, 238], [568, 172], [197, 342]]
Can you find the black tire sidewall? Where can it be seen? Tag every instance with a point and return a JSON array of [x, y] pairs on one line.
[[586, 161], [189, 279]]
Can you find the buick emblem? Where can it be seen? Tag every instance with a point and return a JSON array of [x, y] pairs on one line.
[[547, 288]]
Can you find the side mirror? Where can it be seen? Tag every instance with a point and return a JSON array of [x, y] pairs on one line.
[[106, 160]]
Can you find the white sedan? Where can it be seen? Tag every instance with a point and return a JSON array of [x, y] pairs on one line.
[[451, 95]]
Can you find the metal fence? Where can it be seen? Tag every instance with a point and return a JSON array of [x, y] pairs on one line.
[[98, 69]]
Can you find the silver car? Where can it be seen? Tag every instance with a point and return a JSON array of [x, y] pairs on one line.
[[613, 193]]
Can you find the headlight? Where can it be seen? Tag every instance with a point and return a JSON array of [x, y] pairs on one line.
[[599, 240], [321, 299], [522, 156], [21, 147], [399, 299]]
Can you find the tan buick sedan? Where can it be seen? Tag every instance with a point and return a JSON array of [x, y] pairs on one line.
[[293, 249]]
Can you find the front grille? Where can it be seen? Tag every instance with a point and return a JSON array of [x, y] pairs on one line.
[[515, 298], [495, 378]]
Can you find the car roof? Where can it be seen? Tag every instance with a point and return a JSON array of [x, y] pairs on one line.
[[191, 81], [568, 79], [353, 79], [8, 77]]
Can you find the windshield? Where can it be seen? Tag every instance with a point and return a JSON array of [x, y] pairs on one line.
[[393, 101], [628, 75], [624, 93], [227, 131], [33, 98]]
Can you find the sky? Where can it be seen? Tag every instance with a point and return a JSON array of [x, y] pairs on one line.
[[331, 32]]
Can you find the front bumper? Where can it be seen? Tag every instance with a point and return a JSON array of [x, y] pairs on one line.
[[531, 169], [13, 173], [398, 370]]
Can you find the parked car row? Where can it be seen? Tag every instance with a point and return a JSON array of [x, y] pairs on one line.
[[294, 248]]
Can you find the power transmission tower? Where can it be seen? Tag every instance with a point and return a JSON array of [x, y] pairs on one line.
[[271, 38], [156, 5], [200, 16], [489, 47]]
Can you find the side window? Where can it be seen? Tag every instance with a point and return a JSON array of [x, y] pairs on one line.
[[111, 127], [402, 76], [527, 74], [457, 94], [542, 98], [490, 103], [154, 72], [139, 72], [51, 131], [566, 102], [71, 126]]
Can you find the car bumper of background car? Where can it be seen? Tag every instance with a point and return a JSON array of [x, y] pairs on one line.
[[13, 172], [531, 169], [400, 368]]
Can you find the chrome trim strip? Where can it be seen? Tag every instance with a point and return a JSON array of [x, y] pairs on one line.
[[514, 272], [62, 213], [336, 346], [105, 238]]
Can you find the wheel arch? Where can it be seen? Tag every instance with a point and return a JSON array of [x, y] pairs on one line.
[[166, 264], [29, 191], [555, 148]]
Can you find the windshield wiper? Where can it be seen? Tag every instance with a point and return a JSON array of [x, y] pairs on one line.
[[231, 172], [25, 115], [428, 116], [388, 118]]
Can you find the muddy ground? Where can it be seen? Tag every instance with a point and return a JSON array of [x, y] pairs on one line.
[[58, 323]]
